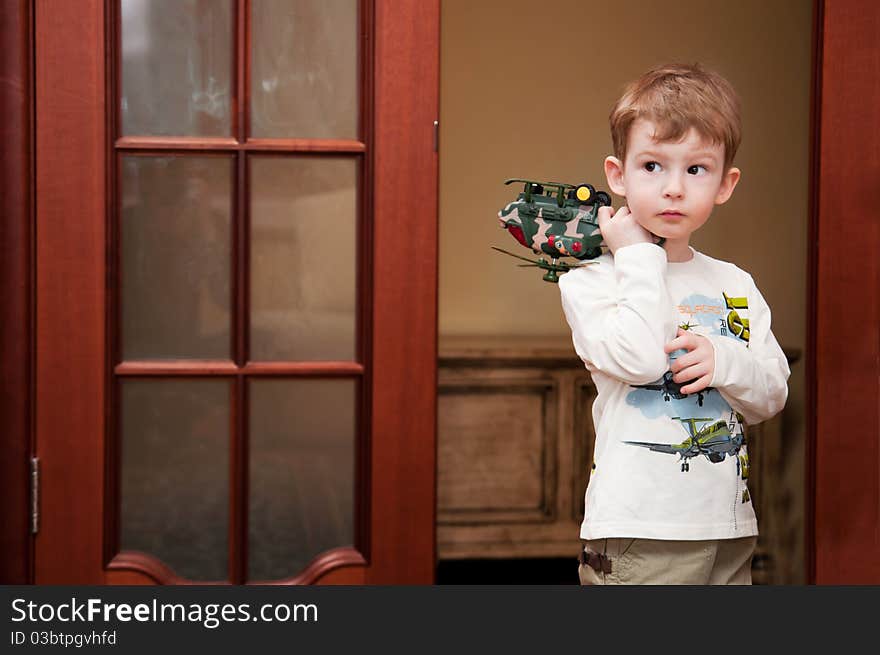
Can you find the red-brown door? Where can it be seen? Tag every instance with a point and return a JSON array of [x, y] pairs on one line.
[[236, 272], [844, 405]]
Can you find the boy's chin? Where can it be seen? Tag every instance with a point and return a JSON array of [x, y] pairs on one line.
[[661, 231], [667, 231]]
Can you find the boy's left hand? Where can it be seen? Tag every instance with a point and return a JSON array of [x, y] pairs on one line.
[[696, 367]]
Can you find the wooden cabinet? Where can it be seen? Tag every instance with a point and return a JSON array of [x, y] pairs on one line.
[[512, 452], [515, 442]]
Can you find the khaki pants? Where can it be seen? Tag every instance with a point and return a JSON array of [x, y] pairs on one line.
[[651, 561]]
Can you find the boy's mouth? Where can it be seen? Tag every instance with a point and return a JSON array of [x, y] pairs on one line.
[[671, 212]]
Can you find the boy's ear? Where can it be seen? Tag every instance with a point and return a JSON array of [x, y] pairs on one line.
[[728, 184], [614, 175]]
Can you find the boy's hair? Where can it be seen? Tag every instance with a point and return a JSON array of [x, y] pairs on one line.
[[676, 97]]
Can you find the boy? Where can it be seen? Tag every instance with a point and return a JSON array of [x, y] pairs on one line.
[[678, 344]]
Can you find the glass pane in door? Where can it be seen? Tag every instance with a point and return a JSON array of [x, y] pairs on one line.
[[304, 81], [176, 253], [176, 67], [303, 258], [302, 465], [175, 473]]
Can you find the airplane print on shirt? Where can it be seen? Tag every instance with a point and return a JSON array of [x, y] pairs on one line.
[[704, 316], [711, 429]]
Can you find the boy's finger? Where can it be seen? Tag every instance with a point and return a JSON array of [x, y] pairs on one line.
[[697, 385], [686, 361], [675, 344], [690, 373], [683, 362], [603, 215], [683, 341]]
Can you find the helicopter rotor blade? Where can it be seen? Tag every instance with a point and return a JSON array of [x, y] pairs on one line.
[[559, 267], [512, 255]]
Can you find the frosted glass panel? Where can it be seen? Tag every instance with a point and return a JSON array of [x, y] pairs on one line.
[[175, 473], [175, 257], [302, 463], [303, 257], [304, 81], [176, 67]]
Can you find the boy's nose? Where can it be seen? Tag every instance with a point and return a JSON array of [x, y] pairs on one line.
[[672, 188]]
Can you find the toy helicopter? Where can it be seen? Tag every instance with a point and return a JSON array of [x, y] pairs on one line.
[[557, 219]]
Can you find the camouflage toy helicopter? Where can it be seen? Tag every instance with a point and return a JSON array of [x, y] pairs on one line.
[[556, 219]]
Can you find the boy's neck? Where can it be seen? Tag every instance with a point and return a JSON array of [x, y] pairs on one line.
[[678, 250]]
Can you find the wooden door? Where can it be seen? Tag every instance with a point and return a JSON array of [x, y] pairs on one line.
[[236, 291], [843, 485]]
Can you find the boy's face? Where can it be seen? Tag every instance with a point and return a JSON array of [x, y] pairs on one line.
[[671, 187]]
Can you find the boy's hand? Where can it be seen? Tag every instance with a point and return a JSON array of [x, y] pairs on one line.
[[696, 367], [622, 229]]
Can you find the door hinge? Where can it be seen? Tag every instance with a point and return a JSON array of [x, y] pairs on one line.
[[436, 136], [35, 495]]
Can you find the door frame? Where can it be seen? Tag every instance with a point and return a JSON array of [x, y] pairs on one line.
[[842, 366], [843, 331], [16, 289]]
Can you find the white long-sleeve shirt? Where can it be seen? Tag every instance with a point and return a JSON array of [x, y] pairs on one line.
[[668, 465]]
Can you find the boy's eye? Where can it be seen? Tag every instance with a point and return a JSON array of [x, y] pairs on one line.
[[651, 166], [694, 170]]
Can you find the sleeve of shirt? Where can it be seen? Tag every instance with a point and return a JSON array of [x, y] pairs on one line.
[[621, 317], [754, 378]]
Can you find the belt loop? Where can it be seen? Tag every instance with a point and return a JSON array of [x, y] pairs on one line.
[[596, 561]]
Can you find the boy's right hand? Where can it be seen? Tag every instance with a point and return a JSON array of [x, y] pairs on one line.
[[622, 229]]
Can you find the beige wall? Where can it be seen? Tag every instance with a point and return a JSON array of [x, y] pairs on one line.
[[526, 88]]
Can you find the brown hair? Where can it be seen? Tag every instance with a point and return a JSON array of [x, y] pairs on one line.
[[676, 97]]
